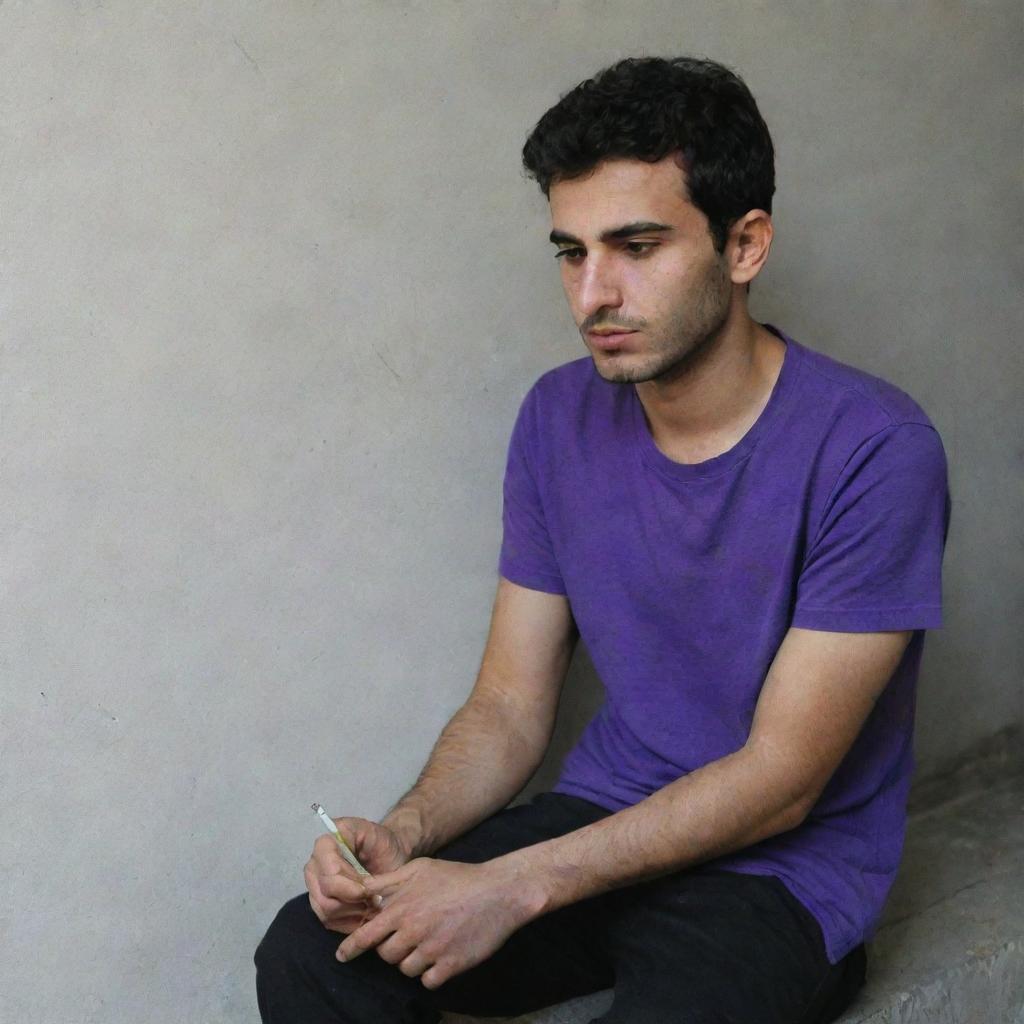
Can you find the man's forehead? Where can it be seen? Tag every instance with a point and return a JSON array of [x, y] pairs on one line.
[[619, 192]]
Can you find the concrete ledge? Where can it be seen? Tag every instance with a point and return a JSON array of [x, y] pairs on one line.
[[950, 949], [951, 946]]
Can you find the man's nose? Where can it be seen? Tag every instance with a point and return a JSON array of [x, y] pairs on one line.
[[598, 287]]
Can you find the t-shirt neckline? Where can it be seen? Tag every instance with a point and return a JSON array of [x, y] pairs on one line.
[[656, 459]]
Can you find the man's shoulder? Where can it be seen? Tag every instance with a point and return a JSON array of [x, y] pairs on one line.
[[858, 398]]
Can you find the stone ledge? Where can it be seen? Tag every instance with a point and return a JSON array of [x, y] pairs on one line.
[[950, 949]]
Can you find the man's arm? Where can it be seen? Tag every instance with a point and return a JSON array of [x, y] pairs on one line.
[[484, 756], [817, 695], [494, 743], [442, 918]]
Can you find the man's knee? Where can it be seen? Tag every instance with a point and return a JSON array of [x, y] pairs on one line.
[[299, 979], [293, 932]]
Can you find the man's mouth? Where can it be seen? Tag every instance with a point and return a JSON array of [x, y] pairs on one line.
[[607, 340]]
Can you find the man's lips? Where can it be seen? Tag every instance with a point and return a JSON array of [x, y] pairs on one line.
[[608, 341]]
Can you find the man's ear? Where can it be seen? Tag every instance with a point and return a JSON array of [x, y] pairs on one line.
[[746, 248]]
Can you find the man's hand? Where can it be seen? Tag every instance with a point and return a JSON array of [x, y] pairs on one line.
[[343, 907], [440, 918]]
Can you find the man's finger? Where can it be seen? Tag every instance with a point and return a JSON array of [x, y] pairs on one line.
[[323, 906], [341, 888], [414, 964], [387, 883], [436, 976], [327, 854], [396, 947], [366, 937]]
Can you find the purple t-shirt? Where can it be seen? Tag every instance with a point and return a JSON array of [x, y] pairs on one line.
[[830, 513]]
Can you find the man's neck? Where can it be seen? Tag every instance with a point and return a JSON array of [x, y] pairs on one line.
[[706, 409]]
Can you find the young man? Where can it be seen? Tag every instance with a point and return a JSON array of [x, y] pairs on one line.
[[748, 537]]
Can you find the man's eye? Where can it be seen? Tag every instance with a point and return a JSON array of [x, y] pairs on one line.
[[636, 249]]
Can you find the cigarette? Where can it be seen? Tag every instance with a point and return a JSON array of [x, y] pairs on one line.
[[346, 851]]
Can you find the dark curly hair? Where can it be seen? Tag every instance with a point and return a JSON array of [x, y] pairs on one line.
[[645, 108]]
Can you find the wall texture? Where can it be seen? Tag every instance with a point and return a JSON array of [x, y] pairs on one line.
[[271, 288]]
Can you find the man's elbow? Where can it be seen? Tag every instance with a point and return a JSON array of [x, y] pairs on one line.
[[789, 800], [796, 814], [800, 805], [790, 815], [789, 790]]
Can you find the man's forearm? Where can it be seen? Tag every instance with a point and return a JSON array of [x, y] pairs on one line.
[[725, 806], [484, 756]]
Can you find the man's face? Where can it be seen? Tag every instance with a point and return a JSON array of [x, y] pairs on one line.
[[638, 256]]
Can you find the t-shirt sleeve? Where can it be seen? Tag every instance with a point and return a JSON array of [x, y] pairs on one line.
[[876, 562], [527, 555]]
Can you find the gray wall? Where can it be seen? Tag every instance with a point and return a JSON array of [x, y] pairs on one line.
[[272, 286]]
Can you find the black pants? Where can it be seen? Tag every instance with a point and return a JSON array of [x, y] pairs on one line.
[[697, 947]]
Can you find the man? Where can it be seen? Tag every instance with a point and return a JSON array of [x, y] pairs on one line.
[[748, 537]]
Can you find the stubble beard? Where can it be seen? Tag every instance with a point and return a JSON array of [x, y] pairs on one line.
[[689, 338]]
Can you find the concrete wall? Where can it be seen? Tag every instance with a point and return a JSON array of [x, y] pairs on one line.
[[272, 286]]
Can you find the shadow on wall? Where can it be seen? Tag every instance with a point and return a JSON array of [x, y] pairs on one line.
[[582, 695]]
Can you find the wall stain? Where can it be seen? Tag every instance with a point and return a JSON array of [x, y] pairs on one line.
[[388, 365], [245, 53]]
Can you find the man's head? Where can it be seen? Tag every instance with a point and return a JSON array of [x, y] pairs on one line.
[[660, 176]]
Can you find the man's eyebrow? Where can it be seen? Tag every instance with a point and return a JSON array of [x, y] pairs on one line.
[[638, 227]]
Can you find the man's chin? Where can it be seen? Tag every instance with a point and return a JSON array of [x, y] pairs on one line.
[[620, 369]]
